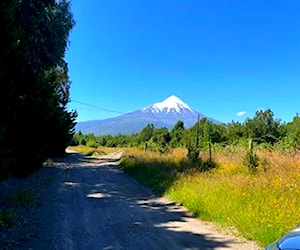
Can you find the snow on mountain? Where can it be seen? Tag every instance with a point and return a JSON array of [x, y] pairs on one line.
[[171, 104], [160, 114]]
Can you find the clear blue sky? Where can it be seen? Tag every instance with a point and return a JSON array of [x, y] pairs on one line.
[[219, 56]]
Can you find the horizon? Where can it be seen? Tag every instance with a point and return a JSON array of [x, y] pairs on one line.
[[227, 60]]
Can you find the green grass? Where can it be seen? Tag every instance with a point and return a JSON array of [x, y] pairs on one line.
[[260, 206], [232, 203], [154, 173]]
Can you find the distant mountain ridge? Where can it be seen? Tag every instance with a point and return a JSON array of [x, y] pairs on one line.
[[161, 114]]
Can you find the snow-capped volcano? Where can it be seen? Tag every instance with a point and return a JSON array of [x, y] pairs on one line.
[[160, 114], [170, 105]]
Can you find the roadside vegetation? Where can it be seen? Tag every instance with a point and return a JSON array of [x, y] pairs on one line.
[[244, 177], [260, 206], [10, 203]]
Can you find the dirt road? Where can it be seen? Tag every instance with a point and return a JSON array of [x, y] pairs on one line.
[[88, 203]]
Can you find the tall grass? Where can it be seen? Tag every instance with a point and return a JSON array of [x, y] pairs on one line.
[[154, 170], [260, 206]]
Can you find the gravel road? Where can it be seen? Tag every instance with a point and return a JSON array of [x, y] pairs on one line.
[[88, 203]]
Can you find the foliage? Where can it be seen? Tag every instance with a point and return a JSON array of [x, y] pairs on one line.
[[251, 161], [260, 207], [34, 83], [193, 155], [234, 132], [293, 133], [146, 134], [177, 134], [161, 137], [263, 128], [92, 144]]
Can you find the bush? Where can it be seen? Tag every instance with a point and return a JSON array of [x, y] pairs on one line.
[[193, 155], [92, 144], [74, 141], [83, 142], [251, 160]]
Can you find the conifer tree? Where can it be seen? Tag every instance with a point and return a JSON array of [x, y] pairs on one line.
[[35, 123]]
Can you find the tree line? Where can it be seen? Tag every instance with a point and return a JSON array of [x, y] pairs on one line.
[[263, 129], [35, 123]]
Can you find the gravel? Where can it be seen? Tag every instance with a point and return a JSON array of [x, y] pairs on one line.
[[81, 202]]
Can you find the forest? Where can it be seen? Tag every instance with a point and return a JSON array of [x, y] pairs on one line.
[[35, 123]]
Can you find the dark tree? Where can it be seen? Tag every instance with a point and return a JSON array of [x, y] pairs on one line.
[[293, 132], [35, 123], [177, 134], [161, 137], [146, 133], [235, 131]]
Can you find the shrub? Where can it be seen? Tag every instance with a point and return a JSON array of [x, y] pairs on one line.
[[83, 142], [92, 144], [74, 141], [193, 155], [251, 160]]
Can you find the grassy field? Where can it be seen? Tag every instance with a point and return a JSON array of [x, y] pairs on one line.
[[259, 206]]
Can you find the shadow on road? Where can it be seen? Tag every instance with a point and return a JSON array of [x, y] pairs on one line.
[[128, 215], [94, 205]]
